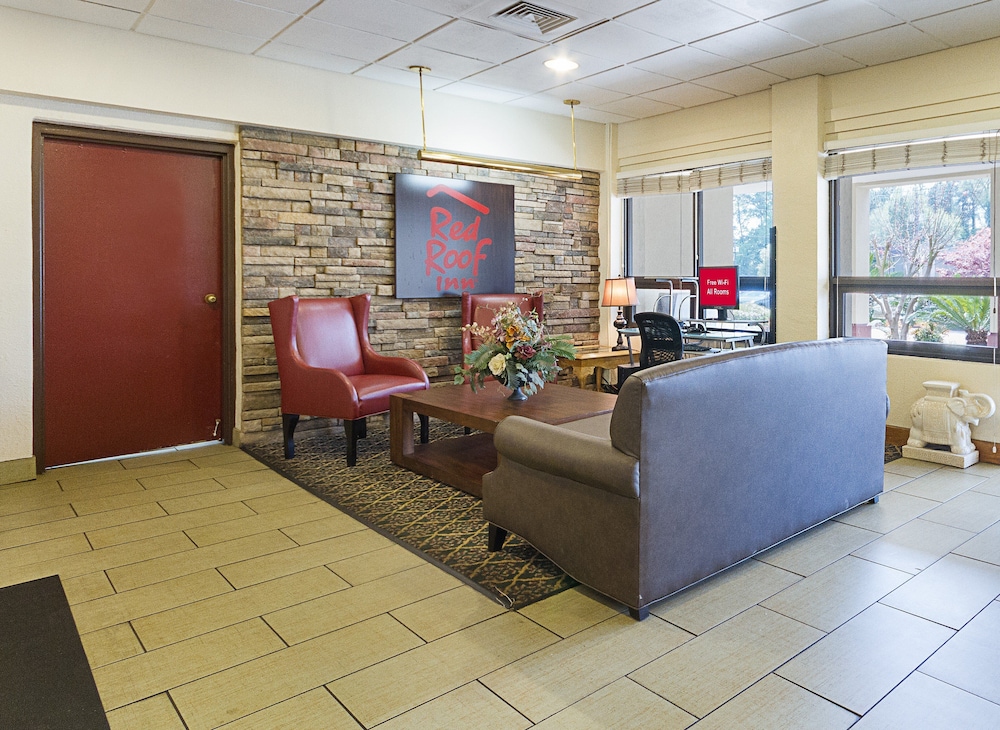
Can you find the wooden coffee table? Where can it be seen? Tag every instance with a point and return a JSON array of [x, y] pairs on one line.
[[461, 462]]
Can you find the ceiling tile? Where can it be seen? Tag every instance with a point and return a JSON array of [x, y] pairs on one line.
[[75, 10], [685, 22], [616, 42], [478, 41], [761, 9], [629, 80], [513, 79], [474, 91], [637, 106], [743, 80], [687, 95], [588, 95], [833, 20], [753, 43], [914, 9], [816, 60], [382, 17], [968, 25], [228, 15], [136, 6], [349, 42], [401, 78], [539, 103], [891, 44], [449, 7], [534, 64], [529, 75], [602, 117], [604, 8], [198, 34], [289, 6], [686, 63], [307, 57], [441, 64]]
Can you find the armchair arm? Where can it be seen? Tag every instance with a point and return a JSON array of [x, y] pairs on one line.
[[378, 364], [316, 391], [577, 456]]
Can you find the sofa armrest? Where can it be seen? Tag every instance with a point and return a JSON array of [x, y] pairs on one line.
[[577, 456]]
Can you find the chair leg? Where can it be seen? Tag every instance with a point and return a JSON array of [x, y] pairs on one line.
[[638, 613], [362, 430], [425, 423], [288, 423], [495, 538], [353, 430]]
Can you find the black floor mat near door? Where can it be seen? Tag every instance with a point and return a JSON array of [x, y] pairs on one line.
[[45, 678]]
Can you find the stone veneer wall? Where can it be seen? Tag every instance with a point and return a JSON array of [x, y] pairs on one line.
[[318, 220]]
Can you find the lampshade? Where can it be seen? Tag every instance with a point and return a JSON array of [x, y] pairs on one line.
[[619, 293]]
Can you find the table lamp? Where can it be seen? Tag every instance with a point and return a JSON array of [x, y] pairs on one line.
[[620, 293]]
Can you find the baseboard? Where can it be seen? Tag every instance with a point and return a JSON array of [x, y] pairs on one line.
[[17, 470], [897, 436], [986, 455]]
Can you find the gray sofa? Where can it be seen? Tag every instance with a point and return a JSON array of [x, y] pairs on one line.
[[703, 463]]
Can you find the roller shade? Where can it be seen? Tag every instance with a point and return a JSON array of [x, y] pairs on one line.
[[906, 156], [701, 178]]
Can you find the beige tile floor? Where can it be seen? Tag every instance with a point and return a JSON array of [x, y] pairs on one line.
[[211, 592]]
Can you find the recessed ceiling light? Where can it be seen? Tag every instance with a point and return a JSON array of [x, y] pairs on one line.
[[561, 64]]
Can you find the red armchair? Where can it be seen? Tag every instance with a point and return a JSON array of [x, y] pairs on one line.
[[481, 308], [328, 368]]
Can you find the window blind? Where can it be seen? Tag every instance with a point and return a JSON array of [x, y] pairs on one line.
[[909, 155], [701, 178]]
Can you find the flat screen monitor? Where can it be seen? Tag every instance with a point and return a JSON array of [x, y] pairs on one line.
[[719, 287]]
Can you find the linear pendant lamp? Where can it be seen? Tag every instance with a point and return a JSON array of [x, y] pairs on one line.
[[457, 158]]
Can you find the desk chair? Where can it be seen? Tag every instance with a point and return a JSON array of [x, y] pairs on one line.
[[661, 337]]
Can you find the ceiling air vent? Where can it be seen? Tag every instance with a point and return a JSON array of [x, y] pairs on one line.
[[533, 17]]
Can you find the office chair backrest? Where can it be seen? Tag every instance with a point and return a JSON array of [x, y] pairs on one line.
[[661, 338]]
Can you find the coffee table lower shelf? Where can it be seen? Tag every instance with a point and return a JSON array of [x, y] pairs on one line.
[[462, 461], [459, 462]]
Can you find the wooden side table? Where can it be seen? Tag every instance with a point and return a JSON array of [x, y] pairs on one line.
[[598, 360]]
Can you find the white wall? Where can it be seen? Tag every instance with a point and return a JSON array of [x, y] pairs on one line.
[[952, 91], [62, 71]]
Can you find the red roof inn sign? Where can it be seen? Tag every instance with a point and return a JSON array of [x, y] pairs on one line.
[[453, 236]]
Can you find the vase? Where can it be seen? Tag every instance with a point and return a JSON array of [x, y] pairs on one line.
[[517, 395]]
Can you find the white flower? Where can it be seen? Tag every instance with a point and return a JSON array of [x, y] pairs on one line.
[[498, 363]]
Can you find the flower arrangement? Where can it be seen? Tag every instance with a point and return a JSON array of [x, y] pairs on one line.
[[516, 351]]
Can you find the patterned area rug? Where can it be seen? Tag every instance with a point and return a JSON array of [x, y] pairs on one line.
[[443, 524], [893, 452]]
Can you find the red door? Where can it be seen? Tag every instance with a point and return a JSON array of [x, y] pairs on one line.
[[131, 334]]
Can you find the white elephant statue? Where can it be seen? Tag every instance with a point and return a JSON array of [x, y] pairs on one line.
[[942, 417]]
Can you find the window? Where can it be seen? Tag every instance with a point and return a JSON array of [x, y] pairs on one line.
[[670, 235], [914, 260]]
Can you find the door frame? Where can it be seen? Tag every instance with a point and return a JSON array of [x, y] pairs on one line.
[[226, 153]]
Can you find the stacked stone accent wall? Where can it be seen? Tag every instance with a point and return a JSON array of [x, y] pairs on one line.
[[318, 220]]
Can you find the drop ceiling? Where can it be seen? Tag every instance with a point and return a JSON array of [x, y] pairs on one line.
[[636, 58]]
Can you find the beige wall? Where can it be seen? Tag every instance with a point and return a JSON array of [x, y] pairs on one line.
[[62, 71], [948, 92]]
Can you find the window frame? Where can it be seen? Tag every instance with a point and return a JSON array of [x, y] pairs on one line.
[[766, 284], [843, 286]]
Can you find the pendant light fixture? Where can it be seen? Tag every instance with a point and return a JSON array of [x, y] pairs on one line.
[[456, 158]]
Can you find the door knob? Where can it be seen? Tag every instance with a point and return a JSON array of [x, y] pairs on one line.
[[211, 299]]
